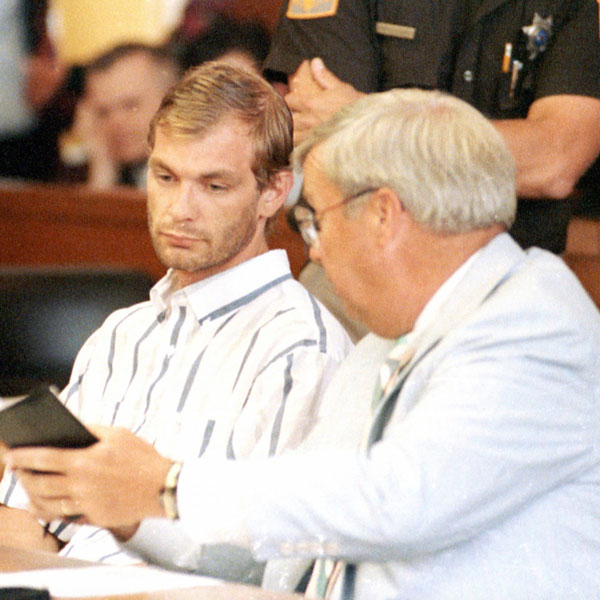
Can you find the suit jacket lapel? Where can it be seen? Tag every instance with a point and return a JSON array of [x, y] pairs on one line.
[[489, 269]]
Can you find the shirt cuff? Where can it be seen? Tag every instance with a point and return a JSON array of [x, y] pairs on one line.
[[210, 501]]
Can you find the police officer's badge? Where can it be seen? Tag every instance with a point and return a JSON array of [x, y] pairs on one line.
[[538, 34], [311, 9]]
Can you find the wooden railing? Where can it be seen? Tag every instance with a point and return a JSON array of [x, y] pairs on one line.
[[74, 225], [583, 254]]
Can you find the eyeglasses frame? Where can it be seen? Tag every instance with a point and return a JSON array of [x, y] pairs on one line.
[[309, 225]]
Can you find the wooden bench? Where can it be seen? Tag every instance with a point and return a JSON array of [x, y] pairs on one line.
[[74, 225]]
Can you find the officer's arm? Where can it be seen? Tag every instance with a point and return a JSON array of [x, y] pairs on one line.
[[315, 94], [554, 145]]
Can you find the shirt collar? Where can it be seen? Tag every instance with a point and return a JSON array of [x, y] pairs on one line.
[[404, 342], [225, 291], [441, 295]]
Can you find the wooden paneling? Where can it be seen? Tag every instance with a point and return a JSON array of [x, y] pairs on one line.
[[583, 254], [584, 237], [587, 269], [67, 225], [73, 225]]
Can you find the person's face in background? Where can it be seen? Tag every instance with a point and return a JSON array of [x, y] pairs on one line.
[[124, 98]]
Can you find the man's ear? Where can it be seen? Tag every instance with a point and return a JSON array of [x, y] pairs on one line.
[[385, 214], [274, 195]]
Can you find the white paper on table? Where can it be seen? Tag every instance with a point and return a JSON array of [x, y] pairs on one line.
[[85, 582]]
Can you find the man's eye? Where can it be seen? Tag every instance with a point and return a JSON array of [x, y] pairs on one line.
[[217, 187], [164, 177]]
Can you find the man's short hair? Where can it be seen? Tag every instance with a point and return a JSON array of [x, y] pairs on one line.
[[448, 164], [162, 55], [226, 35], [214, 91]]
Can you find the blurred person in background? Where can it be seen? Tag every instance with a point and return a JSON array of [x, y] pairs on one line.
[[37, 93], [243, 43], [123, 89]]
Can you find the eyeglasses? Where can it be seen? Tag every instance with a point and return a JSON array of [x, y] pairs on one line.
[[308, 219]]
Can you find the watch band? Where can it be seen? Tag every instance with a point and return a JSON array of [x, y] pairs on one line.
[[168, 494]]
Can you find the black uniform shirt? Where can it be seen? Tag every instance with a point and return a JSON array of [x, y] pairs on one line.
[[457, 46]]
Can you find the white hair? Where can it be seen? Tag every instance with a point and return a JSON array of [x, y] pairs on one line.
[[447, 163]]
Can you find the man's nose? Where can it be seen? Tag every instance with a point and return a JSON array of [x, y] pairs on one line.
[[185, 203]]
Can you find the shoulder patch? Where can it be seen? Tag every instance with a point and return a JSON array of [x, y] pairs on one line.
[[311, 9]]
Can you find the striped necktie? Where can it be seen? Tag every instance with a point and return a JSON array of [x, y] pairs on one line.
[[398, 357], [325, 575]]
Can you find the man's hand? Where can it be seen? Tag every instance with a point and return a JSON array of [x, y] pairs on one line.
[[103, 170], [44, 75], [315, 95], [113, 483], [18, 529]]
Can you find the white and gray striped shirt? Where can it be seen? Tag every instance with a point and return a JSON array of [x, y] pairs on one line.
[[233, 366]]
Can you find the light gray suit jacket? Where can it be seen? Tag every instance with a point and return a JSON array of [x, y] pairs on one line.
[[483, 476]]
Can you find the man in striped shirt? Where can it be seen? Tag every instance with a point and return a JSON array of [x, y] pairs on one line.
[[230, 356]]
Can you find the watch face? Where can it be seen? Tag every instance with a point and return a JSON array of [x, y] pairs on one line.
[[168, 494]]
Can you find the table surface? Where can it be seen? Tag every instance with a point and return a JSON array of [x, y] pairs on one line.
[[16, 559]]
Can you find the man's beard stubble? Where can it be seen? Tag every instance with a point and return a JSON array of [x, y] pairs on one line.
[[214, 251]]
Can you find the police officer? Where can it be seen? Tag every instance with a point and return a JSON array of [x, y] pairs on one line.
[[533, 66]]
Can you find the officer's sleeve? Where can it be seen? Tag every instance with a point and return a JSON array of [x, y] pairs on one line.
[[344, 38], [571, 65]]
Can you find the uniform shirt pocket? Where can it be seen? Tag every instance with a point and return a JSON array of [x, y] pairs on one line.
[[416, 41]]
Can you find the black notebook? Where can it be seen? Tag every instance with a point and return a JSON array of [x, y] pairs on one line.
[[40, 419]]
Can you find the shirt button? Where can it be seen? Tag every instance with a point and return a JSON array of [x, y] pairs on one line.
[[468, 76]]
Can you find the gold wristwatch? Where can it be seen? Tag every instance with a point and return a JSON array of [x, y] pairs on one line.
[[168, 493]]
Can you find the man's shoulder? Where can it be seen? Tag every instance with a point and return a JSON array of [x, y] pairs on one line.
[[130, 315], [508, 296], [304, 314], [538, 300], [544, 280]]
